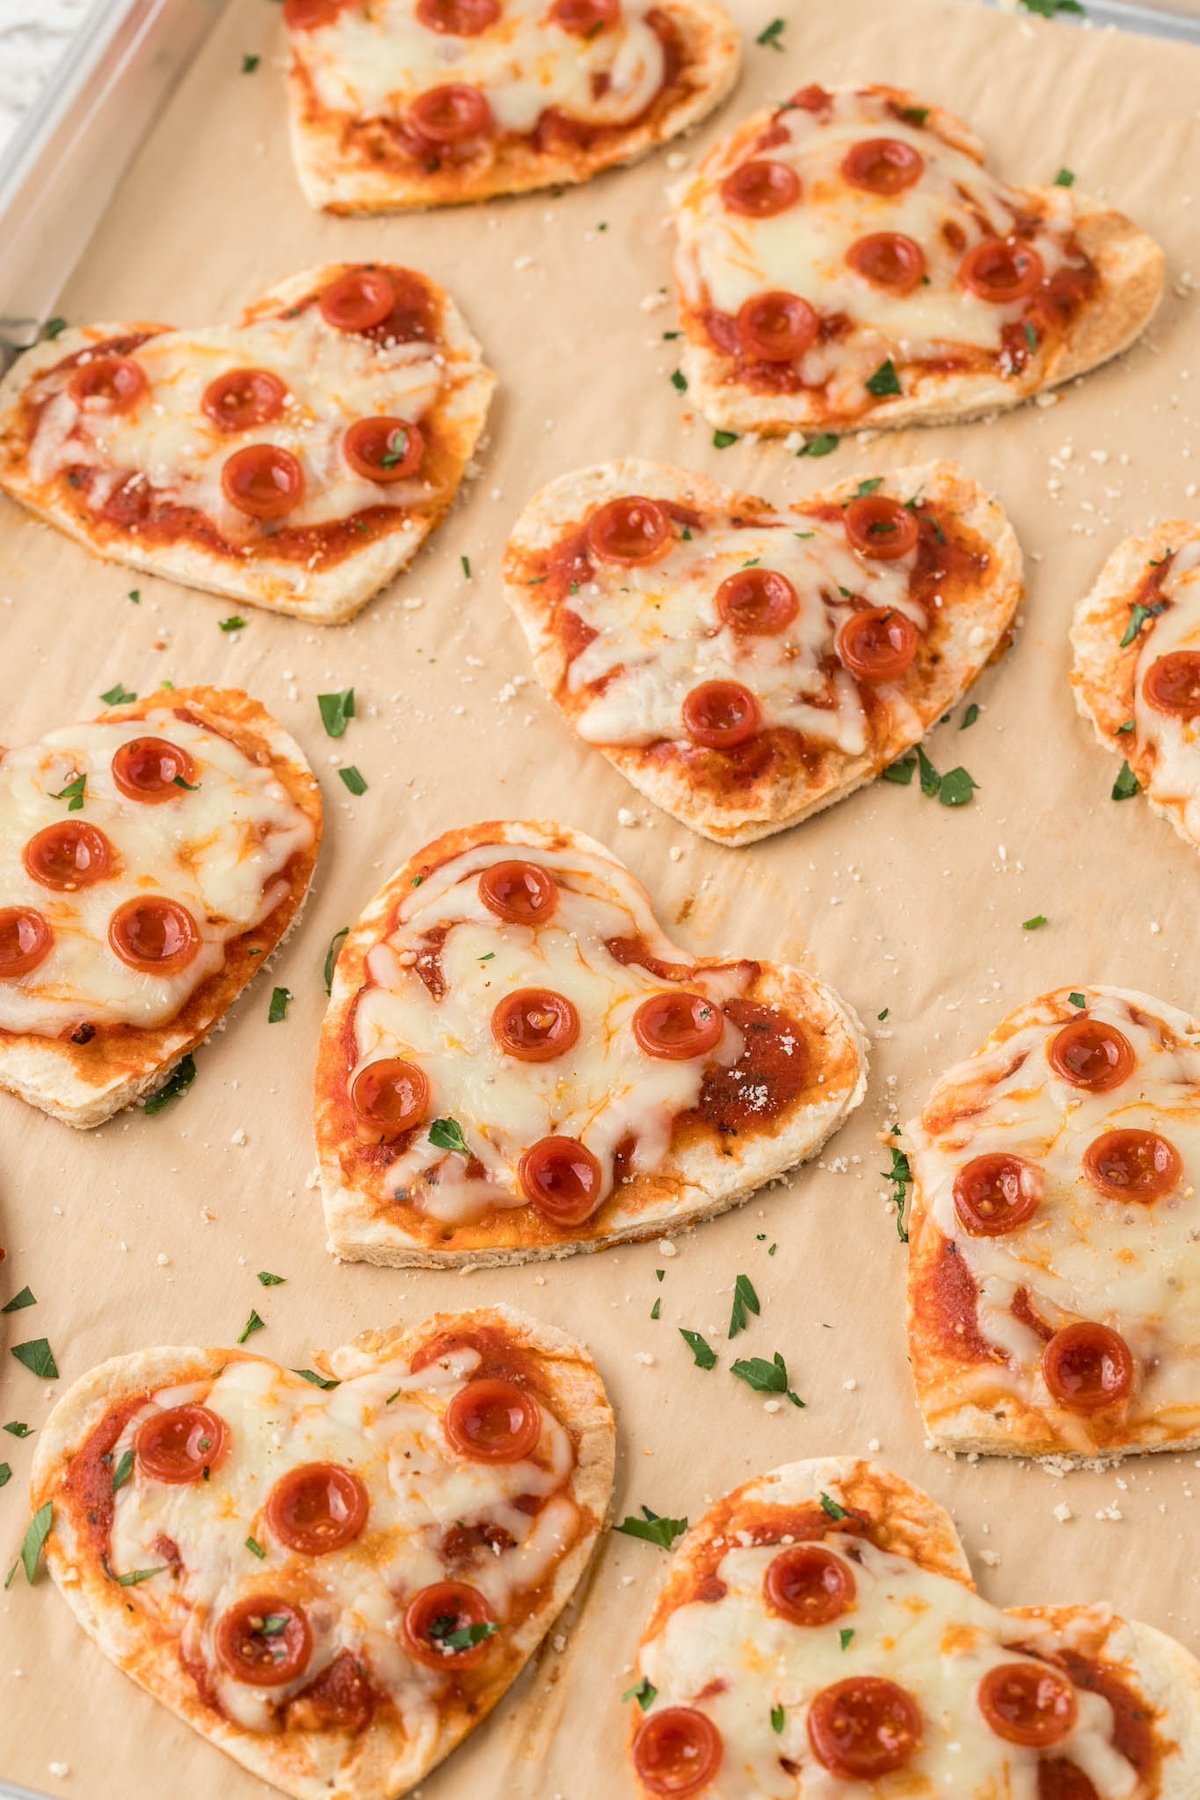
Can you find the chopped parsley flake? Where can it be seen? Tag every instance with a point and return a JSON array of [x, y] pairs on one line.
[[1126, 785], [831, 1508], [337, 710], [704, 1354], [256, 1549], [331, 955], [723, 439], [250, 63], [1077, 999], [38, 1358], [234, 622], [969, 717], [821, 445], [19, 1301], [868, 487], [652, 1528], [777, 1718], [1048, 9], [280, 1001], [1033, 924], [679, 381], [447, 1134], [353, 779], [1065, 178], [846, 1634], [771, 36], [766, 1377], [644, 1693], [268, 1280], [745, 1301], [136, 1576], [179, 1083], [123, 1471], [1137, 619], [253, 1324], [884, 381], [35, 1539], [73, 793], [322, 1381], [900, 1174], [54, 328], [118, 696]]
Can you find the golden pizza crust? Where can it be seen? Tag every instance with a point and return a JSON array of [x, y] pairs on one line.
[[697, 1181], [85, 1084], [381, 1763], [333, 178], [1104, 669], [1129, 262], [965, 1408], [900, 1518], [323, 595], [978, 632]]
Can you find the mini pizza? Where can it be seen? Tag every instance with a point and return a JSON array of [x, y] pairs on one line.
[[517, 1063], [1054, 1230], [745, 667], [847, 260], [1137, 669], [150, 862], [298, 460], [819, 1634], [334, 1576], [406, 103]]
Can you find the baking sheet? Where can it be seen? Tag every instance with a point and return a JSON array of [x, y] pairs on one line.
[[151, 1229]]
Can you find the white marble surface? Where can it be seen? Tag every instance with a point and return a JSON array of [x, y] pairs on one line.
[[33, 36]]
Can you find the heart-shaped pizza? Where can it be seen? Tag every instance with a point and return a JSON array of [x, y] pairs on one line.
[[332, 1575], [1054, 1233], [403, 103], [518, 1063], [149, 864], [846, 260], [297, 460], [1136, 638], [818, 1633], [746, 666]]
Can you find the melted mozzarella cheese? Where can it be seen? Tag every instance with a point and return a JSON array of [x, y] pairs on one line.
[[219, 851], [602, 1090], [725, 257], [373, 62], [659, 635], [1082, 1255], [384, 1426], [1175, 741], [736, 1661], [168, 442]]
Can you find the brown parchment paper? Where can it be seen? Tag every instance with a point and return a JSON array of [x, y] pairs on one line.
[[151, 1230]]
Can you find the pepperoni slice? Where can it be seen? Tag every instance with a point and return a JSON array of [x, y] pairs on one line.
[[585, 18], [359, 300], [180, 1444], [880, 527], [809, 1585], [436, 1614], [25, 941], [535, 1025], [317, 1507], [997, 1193], [158, 936], [761, 188], [678, 1026], [152, 769], [390, 1095], [720, 715], [629, 531], [458, 18], [879, 644], [263, 1641], [453, 114], [1172, 684], [117, 381], [68, 856], [864, 1727], [757, 602], [776, 327], [1087, 1367], [888, 259], [306, 15], [493, 1421], [384, 449], [1133, 1165], [1002, 270], [561, 1178], [677, 1751], [263, 481], [883, 165], [1028, 1703], [242, 398], [1089, 1054], [522, 893]]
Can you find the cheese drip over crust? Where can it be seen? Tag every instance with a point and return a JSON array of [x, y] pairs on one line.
[[220, 848], [385, 1427], [604, 1090], [1085, 1254], [373, 62]]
